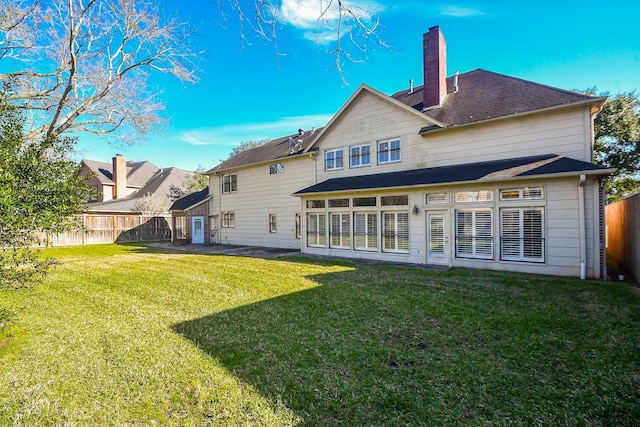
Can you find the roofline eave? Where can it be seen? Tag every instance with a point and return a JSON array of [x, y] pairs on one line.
[[597, 102], [597, 172], [215, 171]]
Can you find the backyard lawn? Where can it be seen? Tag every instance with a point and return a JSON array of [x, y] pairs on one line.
[[133, 335]]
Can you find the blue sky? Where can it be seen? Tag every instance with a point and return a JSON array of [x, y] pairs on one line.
[[249, 92]]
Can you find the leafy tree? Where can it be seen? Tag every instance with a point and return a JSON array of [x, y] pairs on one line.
[[198, 180], [39, 193], [247, 145], [617, 143]]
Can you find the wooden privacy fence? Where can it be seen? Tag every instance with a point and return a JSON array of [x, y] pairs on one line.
[[623, 235], [110, 228]]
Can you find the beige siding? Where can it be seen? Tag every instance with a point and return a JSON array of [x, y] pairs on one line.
[[560, 133], [562, 231], [259, 195], [371, 119]]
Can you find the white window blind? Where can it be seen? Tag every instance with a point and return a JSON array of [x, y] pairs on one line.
[[340, 231], [474, 233], [316, 230], [365, 231], [395, 235], [522, 237]]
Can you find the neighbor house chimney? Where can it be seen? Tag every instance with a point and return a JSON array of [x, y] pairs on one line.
[[119, 177], [435, 68]]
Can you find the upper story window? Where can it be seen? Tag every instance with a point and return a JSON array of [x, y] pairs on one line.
[[359, 156], [276, 168], [333, 159], [389, 150], [230, 183]]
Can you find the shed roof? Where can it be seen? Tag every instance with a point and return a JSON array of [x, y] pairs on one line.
[[190, 200]]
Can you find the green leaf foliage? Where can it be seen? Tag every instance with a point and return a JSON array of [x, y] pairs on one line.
[[617, 142], [39, 193]]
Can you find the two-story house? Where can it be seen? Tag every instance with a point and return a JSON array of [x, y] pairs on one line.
[[476, 170]]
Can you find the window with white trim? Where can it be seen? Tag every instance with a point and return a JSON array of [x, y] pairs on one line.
[[389, 151], [522, 234], [180, 227], [437, 199], [340, 231], [365, 231], [333, 159], [526, 193], [298, 222], [272, 223], [474, 196], [395, 232], [359, 156], [316, 230], [229, 183], [228, 219], [474, 233], [276, 168]]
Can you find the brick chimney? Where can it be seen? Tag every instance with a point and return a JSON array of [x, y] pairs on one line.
[[435, 68], [119, 177]]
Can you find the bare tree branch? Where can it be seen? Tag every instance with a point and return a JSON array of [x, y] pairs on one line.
[[84, 64]]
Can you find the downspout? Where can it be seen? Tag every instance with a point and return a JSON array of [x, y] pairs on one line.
[[219, 224], [315, 168], [583, 228]]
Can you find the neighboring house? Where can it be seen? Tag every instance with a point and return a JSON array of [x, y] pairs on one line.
[[476, 170], [134, 186], [190, 217]]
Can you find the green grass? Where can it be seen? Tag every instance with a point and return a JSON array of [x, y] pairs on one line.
[[129, 335]]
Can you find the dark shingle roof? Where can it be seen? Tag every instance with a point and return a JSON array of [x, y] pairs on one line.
[[160, 185], [138, 173], [190, 200], [481, 171], [484, 95], [275, 149]]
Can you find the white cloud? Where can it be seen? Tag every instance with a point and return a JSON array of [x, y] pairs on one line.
[[459, 12], [318, 19], [232, 135]]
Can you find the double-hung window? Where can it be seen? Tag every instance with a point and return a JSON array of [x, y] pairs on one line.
[[229, 183], [522, 234], [359, 156], [180, 227], [333, 159], [474, 233], [228, 219], [389, 151]]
